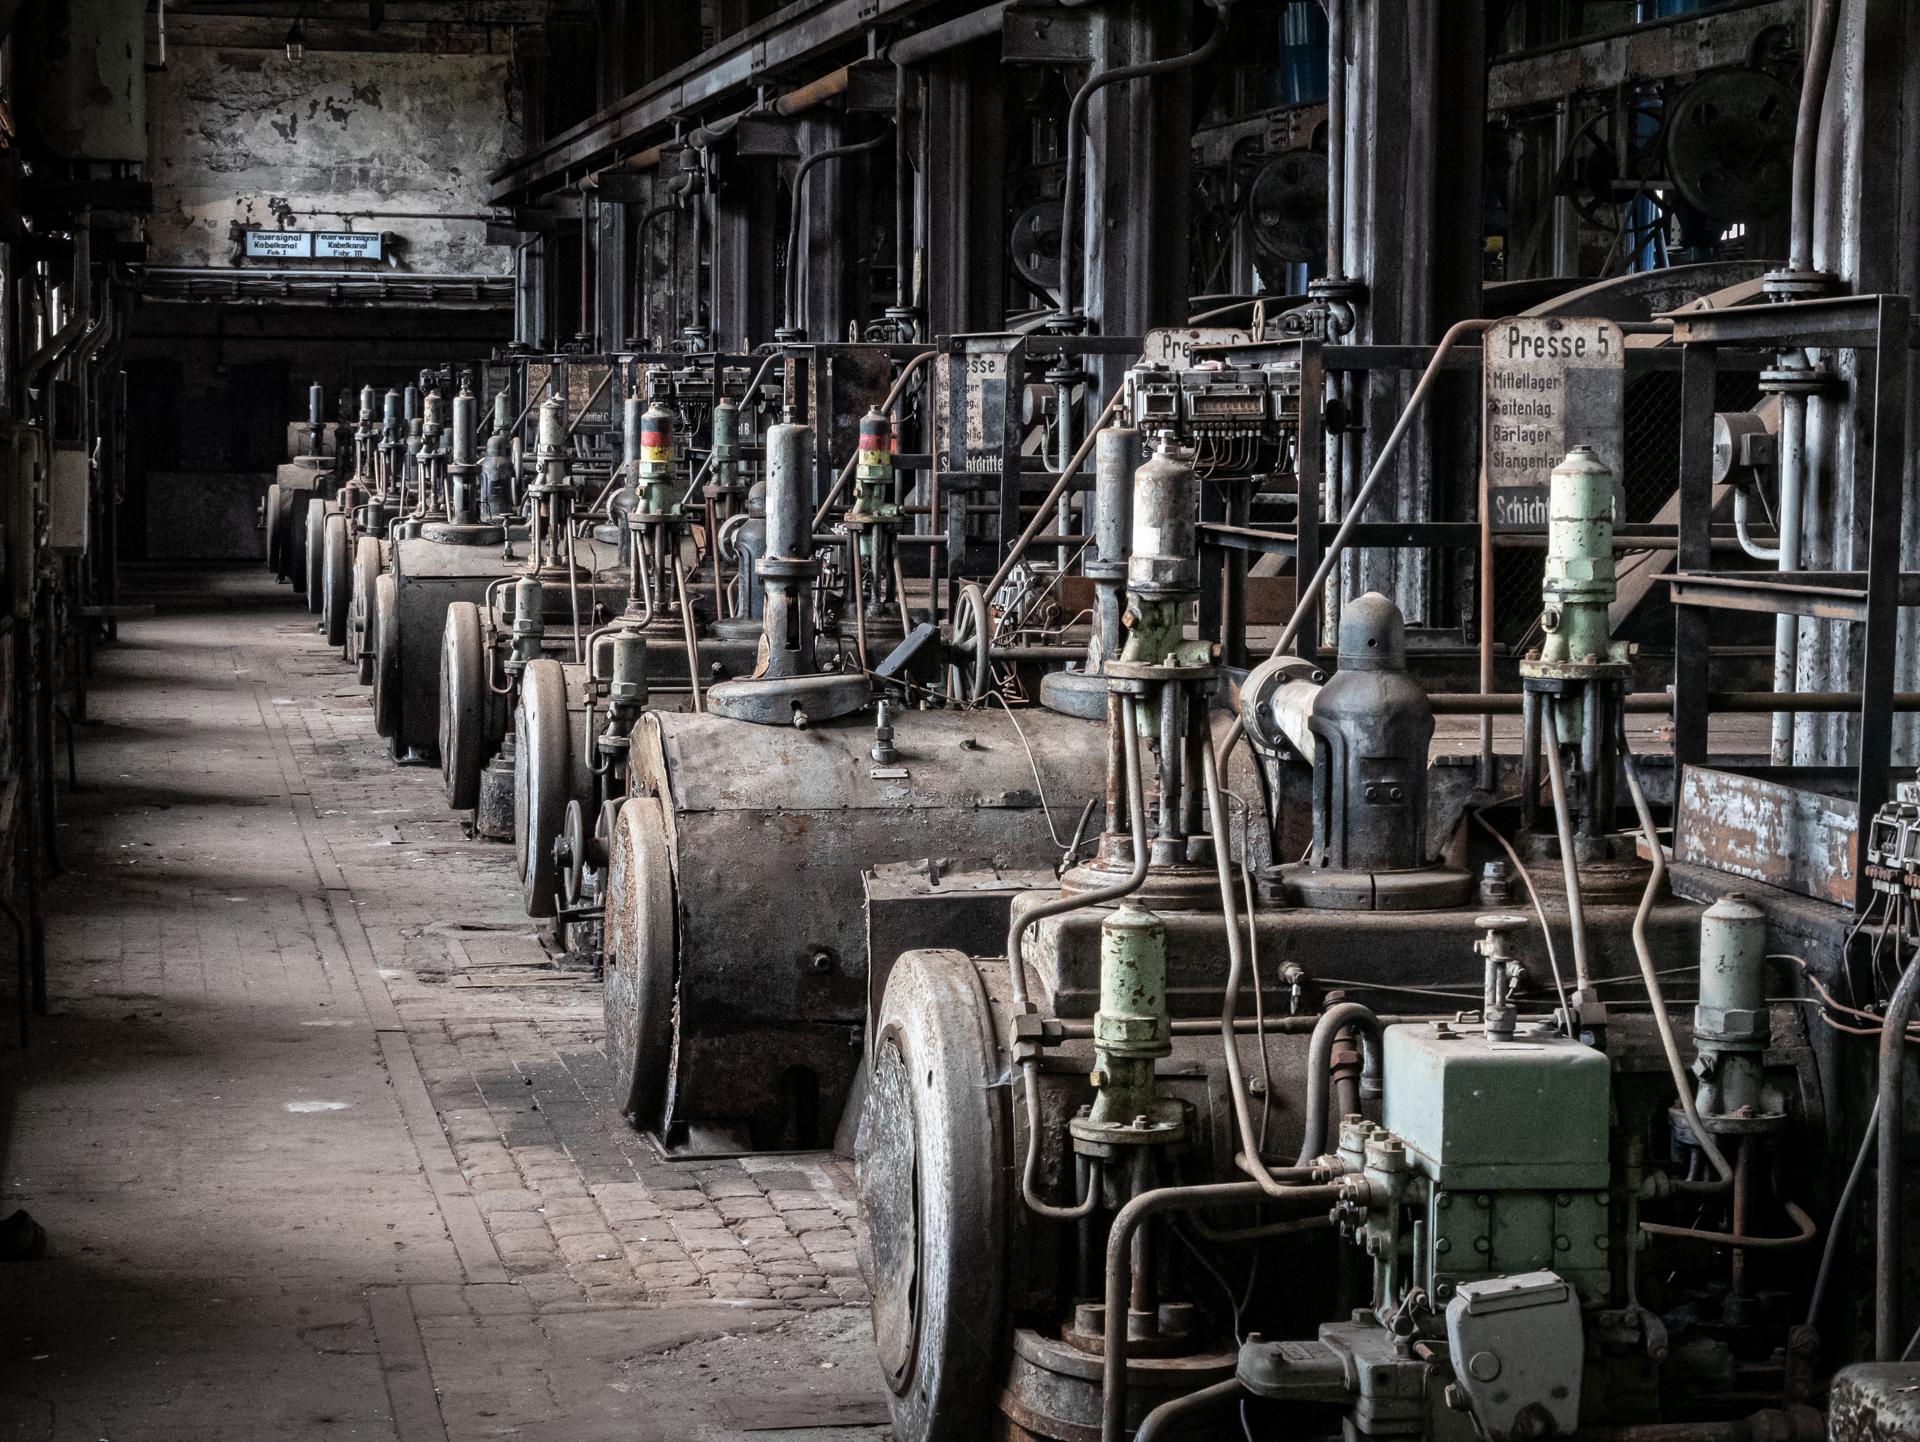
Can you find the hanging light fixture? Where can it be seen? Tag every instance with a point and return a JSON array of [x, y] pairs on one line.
[[297, 41]]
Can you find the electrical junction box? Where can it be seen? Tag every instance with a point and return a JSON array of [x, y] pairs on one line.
[[69, 501], [1510, 1135]]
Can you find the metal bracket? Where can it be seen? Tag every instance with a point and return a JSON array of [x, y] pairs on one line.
[[1043, 35]]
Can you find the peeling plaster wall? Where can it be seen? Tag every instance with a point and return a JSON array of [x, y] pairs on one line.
[[244, 135]]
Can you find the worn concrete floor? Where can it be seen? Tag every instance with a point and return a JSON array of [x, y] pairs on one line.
[[321, 1139]]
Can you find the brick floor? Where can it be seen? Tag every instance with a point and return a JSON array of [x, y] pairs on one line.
[[461, 1237]]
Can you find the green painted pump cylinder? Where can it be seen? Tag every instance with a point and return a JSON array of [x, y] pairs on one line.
[[1579, 584]]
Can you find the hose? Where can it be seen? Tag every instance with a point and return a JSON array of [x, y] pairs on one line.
[[1060, 906]]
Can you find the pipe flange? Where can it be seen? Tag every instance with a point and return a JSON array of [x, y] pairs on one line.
[[1733, 1124], [1785, 284], [1343, 289], [1798, 380]]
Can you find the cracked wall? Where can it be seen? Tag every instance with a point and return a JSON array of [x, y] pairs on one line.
[[358, 140]]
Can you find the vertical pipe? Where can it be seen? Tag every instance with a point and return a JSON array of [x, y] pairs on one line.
[[1337, 138], [1786, 629]]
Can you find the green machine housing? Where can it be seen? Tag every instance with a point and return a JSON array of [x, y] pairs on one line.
[[1510, 1134]]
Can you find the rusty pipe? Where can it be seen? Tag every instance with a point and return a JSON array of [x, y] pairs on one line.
[[1144, 1207]]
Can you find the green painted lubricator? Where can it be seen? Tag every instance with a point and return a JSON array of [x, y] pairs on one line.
[[1131, 1031], [1580, 583], [1579, 586]]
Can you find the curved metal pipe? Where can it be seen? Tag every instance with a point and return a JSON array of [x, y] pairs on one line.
[[792, 287], [1016, 969], [1076, 117], [1333, 1021], [1806, 131], [646, 268], [1113, 1365], [1169, 1417], [1569, 862]]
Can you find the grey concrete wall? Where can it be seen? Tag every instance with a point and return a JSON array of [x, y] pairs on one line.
[[241, 134]]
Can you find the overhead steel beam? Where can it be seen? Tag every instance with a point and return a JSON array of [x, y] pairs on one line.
[[1657, 50], [801, 32]]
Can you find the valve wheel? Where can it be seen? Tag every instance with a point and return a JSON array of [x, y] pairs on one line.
[[541, 765], [967, 653]]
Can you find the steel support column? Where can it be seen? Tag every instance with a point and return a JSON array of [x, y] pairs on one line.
[[1868, 233], [1417, 74], [963, 241], [1134, 193]]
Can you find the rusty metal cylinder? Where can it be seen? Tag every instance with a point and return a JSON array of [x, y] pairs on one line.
[[552, 436], [316, 405], [1116, 456], [631, 411], [466, 413], [366, 404], [726, 432], [390, 410], [410, 403], [1166, 497], [789, 469], [433, 415], [628, 683]]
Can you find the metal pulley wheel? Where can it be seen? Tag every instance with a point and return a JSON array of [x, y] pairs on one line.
[[386, 660], [318, 509], [465, 702], [933, 1197], [336, 587], [270, 522], [1730, 145], [1034, 245], [638, 997], [583, 849], [1287, 207], [365, 621], [541, 765], [968, 653]]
